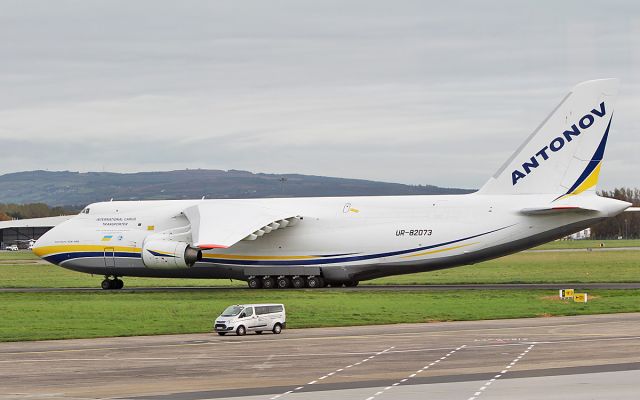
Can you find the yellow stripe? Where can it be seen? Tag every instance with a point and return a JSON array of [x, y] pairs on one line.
[[588, 183], [438, 250], [67, 248]]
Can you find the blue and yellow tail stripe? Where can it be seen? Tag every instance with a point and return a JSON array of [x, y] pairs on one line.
[[589, 177]]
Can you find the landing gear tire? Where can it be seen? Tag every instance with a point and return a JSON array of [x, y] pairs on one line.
[[118, 283], [277, 328], [351, 283], [284, 282], [268, 282], [297, 282], [315, 282], [241, 331], [107, 284], [222, 333], [254, 282]]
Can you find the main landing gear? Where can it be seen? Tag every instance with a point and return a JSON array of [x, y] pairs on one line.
[[296, 282], [112, 284]]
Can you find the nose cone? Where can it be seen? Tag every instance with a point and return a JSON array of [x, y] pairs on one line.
[[42, 246]]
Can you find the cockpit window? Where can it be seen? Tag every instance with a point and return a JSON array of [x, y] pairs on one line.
[[85, 211]]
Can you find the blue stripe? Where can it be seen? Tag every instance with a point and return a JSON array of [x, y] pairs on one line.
[[595, 160], [343, 259], [58, 258], [155, 253]]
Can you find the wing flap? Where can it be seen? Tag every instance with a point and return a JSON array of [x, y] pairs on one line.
[[219, 225]]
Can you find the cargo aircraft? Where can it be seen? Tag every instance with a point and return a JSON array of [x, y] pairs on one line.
[[544, 191]]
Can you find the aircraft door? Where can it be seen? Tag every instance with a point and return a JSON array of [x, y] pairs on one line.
[[109, 257]]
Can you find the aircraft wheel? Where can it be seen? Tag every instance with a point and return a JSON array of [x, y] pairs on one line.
[[314, 282], [254, 283], [277, 328], [351, 283], [107, 284], [284, 282], [241, 331], [222, 333], [268, 282], [118, 283], [297, 282]]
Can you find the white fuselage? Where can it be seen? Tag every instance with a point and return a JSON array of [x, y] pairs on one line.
[[340, 238]]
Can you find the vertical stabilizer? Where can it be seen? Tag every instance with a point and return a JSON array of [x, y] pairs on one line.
[[564, 154]]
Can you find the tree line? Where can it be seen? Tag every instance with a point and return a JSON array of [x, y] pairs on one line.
[[625, 225], [33, 210]]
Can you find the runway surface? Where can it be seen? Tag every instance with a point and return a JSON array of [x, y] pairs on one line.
[[506, 286], [594, 357]]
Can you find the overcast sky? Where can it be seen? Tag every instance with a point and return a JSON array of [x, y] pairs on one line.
[[404, 91]]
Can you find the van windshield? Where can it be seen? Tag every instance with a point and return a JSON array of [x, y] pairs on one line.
[[232, 311]]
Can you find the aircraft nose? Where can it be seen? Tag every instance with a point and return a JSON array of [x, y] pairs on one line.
[[40, 246]]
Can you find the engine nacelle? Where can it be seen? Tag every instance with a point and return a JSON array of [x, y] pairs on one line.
[[169, 254]]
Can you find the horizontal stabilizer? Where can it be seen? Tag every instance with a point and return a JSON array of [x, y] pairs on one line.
[[554, 210], [632, 209], [220, 225]]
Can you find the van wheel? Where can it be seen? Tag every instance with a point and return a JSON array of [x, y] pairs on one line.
[[284, 282], [254, 283], [277, 328], [297, 282], [222, 333], [241, 331], [258, 332], [268, 282]]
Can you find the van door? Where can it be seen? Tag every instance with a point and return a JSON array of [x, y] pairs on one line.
[[263, 317], [250, 319]]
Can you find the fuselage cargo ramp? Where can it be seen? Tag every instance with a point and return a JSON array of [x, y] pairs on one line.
[[544, 191]]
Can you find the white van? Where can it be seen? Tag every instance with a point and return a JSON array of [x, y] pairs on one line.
[[243, 318]]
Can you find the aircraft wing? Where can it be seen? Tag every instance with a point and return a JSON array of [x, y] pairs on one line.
[[220, 225]]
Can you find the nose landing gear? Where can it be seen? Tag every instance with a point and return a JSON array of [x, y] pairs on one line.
[[111, 284]]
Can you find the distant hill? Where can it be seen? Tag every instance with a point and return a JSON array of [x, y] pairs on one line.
[[75, 188]]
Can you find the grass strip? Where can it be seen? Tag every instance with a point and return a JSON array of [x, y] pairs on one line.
[[35, 316]]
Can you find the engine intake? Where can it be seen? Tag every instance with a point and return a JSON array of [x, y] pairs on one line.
[[169, 254]]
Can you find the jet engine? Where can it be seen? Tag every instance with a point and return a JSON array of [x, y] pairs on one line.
[[169, 254]]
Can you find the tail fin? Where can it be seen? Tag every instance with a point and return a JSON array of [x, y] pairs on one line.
[[564, 154]]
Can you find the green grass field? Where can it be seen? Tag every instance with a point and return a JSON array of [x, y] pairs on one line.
[[33, 316], [527, 267], [583, 244]]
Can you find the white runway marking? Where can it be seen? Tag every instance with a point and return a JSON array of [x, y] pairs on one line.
[[421, 370], [331, 374], [504, 371]]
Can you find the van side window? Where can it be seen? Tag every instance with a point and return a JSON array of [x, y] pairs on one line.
[[261, 310], [248, 311], [275, 309]]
